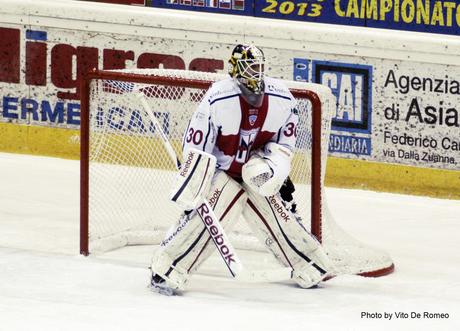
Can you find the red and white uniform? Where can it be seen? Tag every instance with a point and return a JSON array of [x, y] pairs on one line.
[[226, 126]]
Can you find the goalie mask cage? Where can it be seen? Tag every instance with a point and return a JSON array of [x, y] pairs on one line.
[[126, 173]]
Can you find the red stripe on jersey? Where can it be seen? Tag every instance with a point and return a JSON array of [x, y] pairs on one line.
[[262, 138], [228, 144], [252, 117], [239, 146]]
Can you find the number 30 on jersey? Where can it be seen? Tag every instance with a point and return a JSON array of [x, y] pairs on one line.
[[195, 136]]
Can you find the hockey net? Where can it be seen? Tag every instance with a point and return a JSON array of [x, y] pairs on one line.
[[126, 173]]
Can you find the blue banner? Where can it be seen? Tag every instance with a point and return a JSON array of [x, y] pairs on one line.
[[433, 16], [319, 11]]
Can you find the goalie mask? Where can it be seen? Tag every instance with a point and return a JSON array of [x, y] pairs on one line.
[[247, 66]]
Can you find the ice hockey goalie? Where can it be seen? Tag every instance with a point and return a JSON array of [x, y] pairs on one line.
[[237, 151]]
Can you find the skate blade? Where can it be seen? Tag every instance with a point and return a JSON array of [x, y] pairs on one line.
[[163, 290]]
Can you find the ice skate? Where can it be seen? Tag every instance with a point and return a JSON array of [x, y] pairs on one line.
[[158, 284]]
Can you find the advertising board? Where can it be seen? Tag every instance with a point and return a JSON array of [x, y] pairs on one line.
[[432, 16], [391, 111]]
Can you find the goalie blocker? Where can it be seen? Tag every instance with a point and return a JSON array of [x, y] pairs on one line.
[[193, 179]]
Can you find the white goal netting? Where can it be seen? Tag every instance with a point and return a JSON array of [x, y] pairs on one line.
[[130, 172]]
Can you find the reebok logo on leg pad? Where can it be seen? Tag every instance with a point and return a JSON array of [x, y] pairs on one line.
[[216, 235], [279, 208]]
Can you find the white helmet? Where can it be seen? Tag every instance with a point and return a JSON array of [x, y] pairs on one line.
[[247, 66]]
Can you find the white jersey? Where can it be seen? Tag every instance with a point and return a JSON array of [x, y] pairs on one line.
[[225, 125]]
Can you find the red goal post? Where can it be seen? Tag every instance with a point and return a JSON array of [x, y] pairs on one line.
[[102, 89]]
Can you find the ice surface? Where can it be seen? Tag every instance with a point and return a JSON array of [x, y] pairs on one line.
[[46, 285]]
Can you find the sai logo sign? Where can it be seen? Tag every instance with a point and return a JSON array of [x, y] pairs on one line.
[[352, 86]]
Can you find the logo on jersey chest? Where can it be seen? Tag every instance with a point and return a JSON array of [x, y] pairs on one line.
[[252, 116], [247, 139]]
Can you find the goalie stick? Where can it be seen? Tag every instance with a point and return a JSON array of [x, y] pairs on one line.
[[213, 226]]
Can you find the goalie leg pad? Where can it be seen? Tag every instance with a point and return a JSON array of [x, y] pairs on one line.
[[188, 243], [163, 266], [288, 240]]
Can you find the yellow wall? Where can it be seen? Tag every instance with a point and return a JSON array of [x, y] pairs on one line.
[[40, 140], [65, 143], [393, 178]]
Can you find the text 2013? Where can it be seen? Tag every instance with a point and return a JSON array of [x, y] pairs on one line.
[[291, 7]]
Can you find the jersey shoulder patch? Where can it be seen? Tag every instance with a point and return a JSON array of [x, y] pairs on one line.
[[277, 88], [221, 90]]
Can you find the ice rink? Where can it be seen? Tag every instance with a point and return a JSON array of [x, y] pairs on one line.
[[46, 285]]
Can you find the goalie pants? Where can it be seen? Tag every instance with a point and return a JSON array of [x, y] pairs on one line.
[[277, 228]]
